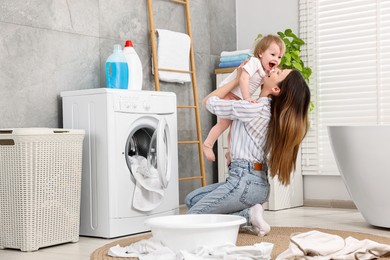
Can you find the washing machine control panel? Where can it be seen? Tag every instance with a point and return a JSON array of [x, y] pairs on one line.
[[143, 104]]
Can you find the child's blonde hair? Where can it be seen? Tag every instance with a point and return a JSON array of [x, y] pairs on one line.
[[264, 43]]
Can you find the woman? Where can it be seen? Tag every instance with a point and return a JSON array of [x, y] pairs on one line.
[[266, 133]]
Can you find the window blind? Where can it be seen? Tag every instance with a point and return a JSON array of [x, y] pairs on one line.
[[348, 49]]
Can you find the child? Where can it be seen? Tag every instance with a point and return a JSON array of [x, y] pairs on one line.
[[267, 55]]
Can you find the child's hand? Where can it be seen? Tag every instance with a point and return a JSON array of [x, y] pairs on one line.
[[271, 71], [250, 100]]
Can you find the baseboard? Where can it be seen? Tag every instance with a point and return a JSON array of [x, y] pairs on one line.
[[345, 204], [182, 209]]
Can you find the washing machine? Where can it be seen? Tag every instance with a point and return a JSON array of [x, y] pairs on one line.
[[121, 125]]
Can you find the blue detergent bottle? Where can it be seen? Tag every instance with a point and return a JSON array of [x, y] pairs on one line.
[[117, 72]]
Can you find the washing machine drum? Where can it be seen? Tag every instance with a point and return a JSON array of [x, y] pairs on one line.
[[144, 144], [139, 142]]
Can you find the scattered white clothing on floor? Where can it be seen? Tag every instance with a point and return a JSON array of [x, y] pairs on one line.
[[323, 246], [148, 192], [259, 251], [148, 249]]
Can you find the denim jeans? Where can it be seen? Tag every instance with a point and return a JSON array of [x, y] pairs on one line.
[[242, 189]]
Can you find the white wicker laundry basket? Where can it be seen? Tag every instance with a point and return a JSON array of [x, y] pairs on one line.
[[40, 182]]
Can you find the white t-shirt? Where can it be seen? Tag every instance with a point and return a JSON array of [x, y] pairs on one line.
[[256, 72]]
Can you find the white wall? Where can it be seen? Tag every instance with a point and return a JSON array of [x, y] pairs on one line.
[[265, 17], [326, 188]]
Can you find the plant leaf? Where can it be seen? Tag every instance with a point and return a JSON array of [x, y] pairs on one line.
[[281, 35], [259, 36], [288, 32], [295, 56], [288, 56], [298, 41], [311, 107], [287, 42], [297, 66]]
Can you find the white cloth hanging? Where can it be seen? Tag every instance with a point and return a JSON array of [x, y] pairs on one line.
[[173, 52], [148, 192]]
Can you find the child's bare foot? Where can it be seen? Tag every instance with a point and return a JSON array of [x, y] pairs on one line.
[[208, 152]]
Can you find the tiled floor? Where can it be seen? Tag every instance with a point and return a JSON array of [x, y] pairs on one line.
[[331, 218]]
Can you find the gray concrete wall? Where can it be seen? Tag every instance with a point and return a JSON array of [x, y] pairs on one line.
[[51, 46]]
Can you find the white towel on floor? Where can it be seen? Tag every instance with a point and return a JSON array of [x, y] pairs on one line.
[[322, 246], [146, 249], [153, 249], [148, 192], [173, 52], [259, 251]]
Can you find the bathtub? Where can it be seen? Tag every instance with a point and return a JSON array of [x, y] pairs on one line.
[[362, 154]]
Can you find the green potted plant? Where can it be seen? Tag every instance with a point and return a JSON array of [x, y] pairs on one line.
[[292, 57]]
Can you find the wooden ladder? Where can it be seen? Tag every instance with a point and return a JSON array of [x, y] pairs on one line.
[[192, 71]]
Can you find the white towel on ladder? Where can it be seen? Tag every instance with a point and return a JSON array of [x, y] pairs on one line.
[[173, 52]]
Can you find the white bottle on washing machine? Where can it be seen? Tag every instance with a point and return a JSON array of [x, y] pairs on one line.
[[135, 66]]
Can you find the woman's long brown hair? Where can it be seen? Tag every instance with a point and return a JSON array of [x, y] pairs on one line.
[[288, 126]]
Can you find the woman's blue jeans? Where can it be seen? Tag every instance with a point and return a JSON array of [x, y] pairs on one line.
[[243, 189]]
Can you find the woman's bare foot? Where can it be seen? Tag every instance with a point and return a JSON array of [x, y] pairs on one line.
[[208, 152]]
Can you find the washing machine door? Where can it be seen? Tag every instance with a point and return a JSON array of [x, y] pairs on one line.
[[159, 153]]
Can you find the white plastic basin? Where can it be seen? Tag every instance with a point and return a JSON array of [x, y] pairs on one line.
[[187, 232]]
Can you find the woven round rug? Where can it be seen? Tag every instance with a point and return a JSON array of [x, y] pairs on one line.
[[279, 236]]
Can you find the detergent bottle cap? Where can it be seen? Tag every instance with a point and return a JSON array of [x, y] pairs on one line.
[[128, 43], [117, 48]]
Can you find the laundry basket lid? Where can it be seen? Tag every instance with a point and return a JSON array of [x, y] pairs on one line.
[[39, 131]]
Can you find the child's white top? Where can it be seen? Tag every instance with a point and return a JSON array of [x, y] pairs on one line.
[[256, 72]]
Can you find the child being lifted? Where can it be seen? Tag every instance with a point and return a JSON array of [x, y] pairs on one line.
[[268, 53]]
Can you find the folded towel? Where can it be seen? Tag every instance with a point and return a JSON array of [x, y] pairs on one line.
[[234, 53], [234, 57], [148, 192], [173, 52], [229, 64]]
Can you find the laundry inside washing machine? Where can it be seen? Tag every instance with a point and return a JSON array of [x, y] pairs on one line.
[[141, 158], [139, 151]]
